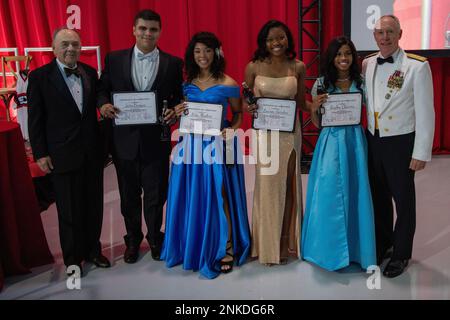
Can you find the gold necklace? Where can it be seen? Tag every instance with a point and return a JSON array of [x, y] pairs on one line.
[[203, 81], [344, 87]]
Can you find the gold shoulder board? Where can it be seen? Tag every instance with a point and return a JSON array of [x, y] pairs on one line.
[[416, 57], [371, 55]]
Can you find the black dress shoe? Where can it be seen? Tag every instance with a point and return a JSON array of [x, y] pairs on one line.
[[395, 268], [385, 255], [131, 254], [156, 252], [100, 261]]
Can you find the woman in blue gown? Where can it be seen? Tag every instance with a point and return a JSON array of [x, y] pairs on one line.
[[338, 225], [207, 226]]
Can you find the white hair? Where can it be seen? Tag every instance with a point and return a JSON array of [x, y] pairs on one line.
[[55, 33], [396, 20]]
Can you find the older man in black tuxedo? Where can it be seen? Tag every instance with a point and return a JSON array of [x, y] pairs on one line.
[[64, 135], [140, 157]]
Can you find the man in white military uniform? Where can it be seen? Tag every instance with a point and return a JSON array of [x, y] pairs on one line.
[[400, 116]]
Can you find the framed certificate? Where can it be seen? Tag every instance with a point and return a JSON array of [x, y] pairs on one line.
[[275, 114], [202, 118], [135, 108], [341, 109]]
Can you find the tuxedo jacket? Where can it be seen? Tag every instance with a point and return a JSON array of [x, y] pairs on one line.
[[130, 142], [56, 126], [409, 107]]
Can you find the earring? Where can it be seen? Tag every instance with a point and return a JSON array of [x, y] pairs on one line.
[[219, 52]]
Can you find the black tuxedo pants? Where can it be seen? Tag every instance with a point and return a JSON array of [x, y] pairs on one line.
[[391, 178], [150, 178], [79, 201]]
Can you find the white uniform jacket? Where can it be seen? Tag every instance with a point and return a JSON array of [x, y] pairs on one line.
[[407, 104]]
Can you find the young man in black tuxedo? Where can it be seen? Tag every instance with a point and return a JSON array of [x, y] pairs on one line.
[[64, 135], [140, 157]]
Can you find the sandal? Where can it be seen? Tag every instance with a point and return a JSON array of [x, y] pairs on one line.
[[229, 263]]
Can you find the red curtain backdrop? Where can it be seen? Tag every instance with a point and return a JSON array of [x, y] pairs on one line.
[[108, 23]]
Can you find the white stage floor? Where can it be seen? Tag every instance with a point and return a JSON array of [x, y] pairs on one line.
[[427, 277]]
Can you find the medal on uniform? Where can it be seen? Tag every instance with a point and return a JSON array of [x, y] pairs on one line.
[[395, 82]]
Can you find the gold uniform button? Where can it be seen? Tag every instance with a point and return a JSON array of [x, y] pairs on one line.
[[390, 117], [386, 130]]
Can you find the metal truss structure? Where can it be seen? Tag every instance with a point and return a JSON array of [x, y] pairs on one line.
[[310, 48]]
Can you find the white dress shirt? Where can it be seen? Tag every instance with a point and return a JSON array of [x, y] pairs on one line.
[[74, 84], [144, 68]]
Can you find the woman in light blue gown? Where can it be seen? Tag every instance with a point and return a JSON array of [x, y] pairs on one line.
[[338, 225], [207, 226]]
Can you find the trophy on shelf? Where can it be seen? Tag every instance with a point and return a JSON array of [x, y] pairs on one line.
[[165, 125], [249, 97]]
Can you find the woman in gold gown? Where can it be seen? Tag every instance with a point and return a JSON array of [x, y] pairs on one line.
[[277, 205]]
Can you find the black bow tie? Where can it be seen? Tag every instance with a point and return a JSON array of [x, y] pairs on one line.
[[380, 60], [74, 71]]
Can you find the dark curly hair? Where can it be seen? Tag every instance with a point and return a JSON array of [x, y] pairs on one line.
[[329, 71], [261, 53], [210, 40]]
